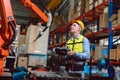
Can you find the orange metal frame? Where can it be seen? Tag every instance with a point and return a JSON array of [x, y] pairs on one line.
[[6, 32], [31, 6]]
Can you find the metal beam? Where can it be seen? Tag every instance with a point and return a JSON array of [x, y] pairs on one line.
[[110, 38]]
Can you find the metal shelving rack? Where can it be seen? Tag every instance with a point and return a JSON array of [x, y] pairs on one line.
[[100, 34], [87, 18]]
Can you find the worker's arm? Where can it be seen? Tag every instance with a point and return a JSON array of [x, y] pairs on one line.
[[86, 53]]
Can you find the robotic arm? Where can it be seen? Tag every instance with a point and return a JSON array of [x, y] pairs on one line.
[[42, 17], [8, 24], [31, 6], [7, 30]]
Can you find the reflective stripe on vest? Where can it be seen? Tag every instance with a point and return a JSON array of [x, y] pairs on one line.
[[76, 45]]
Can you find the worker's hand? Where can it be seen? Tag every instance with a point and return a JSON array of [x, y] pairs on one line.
[[70, 52]]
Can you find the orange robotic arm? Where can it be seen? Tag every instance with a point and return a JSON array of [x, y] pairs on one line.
[[7, 30], [42, 17], [31, 6], [8, 24]]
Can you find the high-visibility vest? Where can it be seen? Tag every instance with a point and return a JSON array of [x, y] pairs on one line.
[[76, 44]]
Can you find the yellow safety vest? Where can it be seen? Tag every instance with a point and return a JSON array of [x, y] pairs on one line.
[[76, 45]]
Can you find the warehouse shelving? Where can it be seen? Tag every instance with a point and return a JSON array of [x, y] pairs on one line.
[[56, 45], [88, 17], [98, 35], [92, 16]]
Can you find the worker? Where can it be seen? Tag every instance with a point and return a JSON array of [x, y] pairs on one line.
[[78, 45]]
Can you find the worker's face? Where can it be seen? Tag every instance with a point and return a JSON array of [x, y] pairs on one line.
[[75, 28]]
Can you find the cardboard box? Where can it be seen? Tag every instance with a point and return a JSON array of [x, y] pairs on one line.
[[91, 6], [99, 52], [35, 60], [118, 17], [86, 5], [22, 61], [86, 8], [118, 53], [113, 17], [22, 39], [114, 22], [105, 10], [78, 8], [100, 1], [96, 3], [41, 44], [80, 2], [118, 46], [113, 54], [103, 23], [90, 1], [58, 21], [71, 13]]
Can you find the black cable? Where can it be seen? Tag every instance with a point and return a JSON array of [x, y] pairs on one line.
[[46, 25], [14, 35]]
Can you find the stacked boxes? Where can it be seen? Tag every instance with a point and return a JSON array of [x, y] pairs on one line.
[[22, 39], [92, 3], [118, 54], [80, 7], [103, 22], [62, 39], [58, 21], [115, 19], [36, 47], [113, 53], [118, 21], [99, 52], [77, 9]]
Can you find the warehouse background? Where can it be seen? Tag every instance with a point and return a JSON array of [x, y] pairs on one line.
[[102, 25]]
